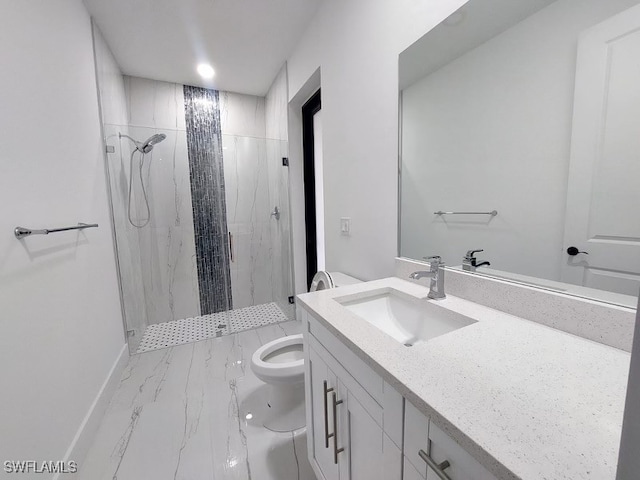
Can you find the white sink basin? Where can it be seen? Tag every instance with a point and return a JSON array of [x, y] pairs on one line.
[[406, 319]]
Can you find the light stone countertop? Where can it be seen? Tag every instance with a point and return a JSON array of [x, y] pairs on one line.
[[526, 400]]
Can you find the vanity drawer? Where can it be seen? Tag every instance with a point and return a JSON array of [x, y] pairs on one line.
[[422, 434], [463, 465]]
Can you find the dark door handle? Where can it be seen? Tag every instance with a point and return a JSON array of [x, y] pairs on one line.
[[573, 251]]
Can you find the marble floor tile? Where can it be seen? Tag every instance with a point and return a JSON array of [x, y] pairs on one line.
[[195, 412]]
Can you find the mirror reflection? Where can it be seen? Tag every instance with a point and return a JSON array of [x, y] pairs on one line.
[[520, 144]]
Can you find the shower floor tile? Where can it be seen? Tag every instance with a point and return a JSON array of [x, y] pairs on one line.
[[187, 330]]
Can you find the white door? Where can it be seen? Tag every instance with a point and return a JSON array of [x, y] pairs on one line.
[[603, 199]]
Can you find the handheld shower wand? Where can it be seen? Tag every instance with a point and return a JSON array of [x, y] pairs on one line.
[[144, 148]]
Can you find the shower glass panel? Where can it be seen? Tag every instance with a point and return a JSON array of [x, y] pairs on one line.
[[256, 182], [157, 262], [158, 266]]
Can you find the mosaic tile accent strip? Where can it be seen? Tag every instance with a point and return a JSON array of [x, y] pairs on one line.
[[178, 332], [206, 171]]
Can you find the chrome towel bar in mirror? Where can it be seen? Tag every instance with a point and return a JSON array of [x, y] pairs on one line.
[[493, 213]]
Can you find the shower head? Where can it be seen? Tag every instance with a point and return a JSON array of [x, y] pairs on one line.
[[151, 141], [147, 145]]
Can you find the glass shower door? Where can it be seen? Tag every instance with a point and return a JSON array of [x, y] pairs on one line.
[[256, 185]]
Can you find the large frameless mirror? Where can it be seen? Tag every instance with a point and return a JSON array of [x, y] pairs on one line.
[[520, 137]]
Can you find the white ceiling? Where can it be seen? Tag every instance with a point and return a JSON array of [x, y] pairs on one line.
[[246, 41]]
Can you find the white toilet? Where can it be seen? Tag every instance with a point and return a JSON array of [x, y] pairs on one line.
[[280, 363]]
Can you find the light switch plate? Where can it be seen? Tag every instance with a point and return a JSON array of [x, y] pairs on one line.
[[345, 226]]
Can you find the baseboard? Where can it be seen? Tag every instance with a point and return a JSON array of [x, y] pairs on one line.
[[89, 426]]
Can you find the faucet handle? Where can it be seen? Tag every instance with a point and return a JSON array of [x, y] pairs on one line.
[[471, 253]]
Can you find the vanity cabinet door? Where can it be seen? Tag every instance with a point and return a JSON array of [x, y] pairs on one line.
[[362, 439], [320, 417]]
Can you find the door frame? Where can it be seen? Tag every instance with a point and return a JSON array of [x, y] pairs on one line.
[[309, 109]]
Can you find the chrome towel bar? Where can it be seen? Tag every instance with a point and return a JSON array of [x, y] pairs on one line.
[[493, 213], [21, 232]]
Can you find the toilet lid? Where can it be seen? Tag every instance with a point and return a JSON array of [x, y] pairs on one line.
[[321, 281]]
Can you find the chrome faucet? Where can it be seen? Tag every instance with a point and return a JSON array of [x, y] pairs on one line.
[[470, 262], [436, 274]]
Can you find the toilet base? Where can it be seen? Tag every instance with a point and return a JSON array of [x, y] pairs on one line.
[[285, 408]]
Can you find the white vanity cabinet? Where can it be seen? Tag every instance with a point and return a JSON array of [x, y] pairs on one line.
[[359, 428], [346, 435]]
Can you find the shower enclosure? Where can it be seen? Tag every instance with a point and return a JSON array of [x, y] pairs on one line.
[[212, 242]]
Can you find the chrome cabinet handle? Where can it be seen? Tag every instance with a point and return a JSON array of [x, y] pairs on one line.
[[336, 450], [327, 435], [438, 468]]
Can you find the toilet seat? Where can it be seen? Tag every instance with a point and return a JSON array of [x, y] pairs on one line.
[[321, 281], [270, 369], [280, 364], [324, 280]]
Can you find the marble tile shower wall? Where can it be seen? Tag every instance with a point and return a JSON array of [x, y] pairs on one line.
[[249, 219], [249, 203], [167, 248]]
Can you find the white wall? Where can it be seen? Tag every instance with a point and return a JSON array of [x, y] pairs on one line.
[[491, 130], [356, 45], [60, 322]]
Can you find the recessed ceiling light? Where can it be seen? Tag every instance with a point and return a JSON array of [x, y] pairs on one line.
[[205, 70]]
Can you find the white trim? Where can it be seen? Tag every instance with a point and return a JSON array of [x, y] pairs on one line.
[[89, 426]]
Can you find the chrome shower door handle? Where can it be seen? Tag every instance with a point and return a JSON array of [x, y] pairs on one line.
[[276, 213], [230, 246]]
